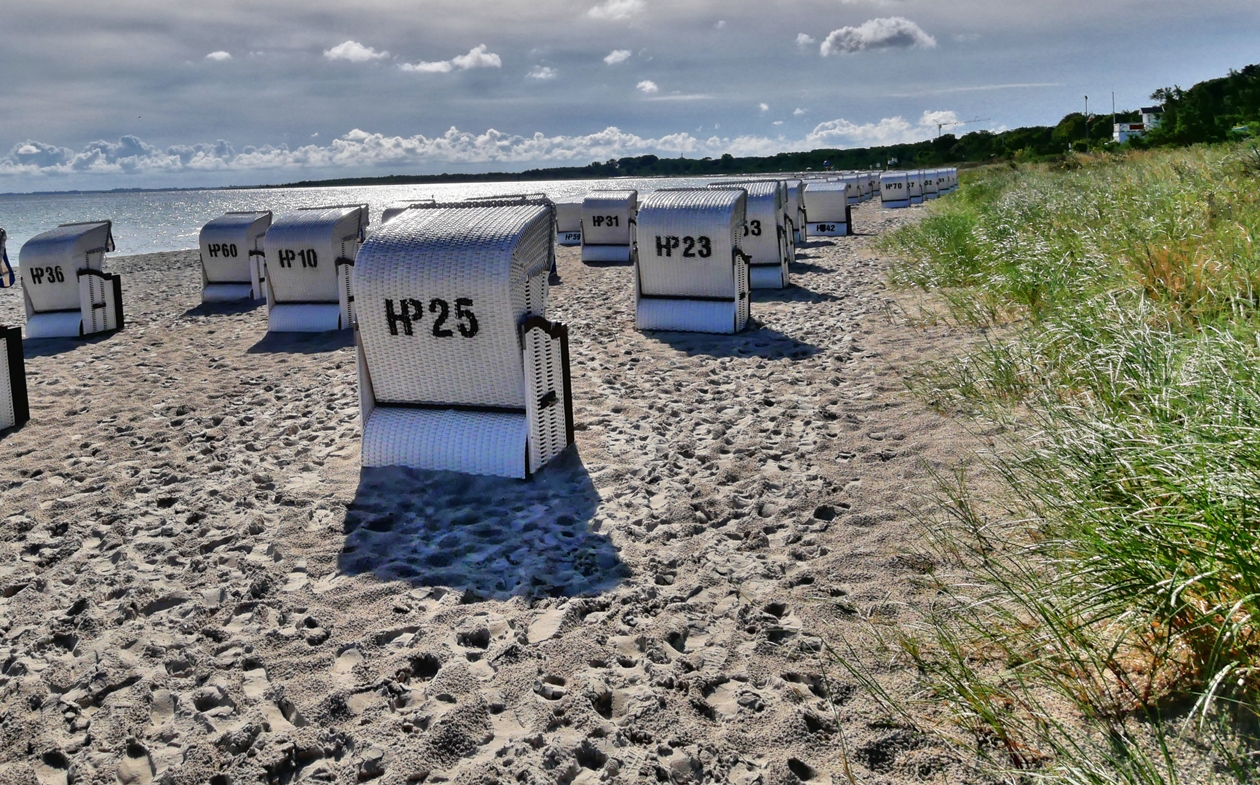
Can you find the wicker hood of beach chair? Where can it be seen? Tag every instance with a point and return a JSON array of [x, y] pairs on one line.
[[14, 408], [310, 254], [691, 274], [765, 237], [569, 220], [66, 292], [827, 208], [607, 226], [232, 256], [459, 367]]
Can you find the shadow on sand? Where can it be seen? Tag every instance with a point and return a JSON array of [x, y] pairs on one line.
[[303, 343], [489, 537], [792, 294], [49, 347], [754, 341], [228, 308]]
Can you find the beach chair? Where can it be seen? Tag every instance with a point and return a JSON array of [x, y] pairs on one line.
[[14, 408], [7, 278], [459, 367], [765, 238], [607, 221], [894, 190], [796, 208], [232, 256], [569, 220], [394, 210], [930, 192], [827, 209], [914, 186], [854, 195], [692, 274], [66, 293], [310, 254]]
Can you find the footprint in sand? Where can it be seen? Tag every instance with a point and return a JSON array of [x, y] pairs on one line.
[[136, 767]]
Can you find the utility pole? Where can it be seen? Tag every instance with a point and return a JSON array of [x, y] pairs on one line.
[[1086, 124]]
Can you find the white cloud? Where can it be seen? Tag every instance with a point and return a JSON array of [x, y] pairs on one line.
[[359, 150], [542, 72], [720, 24], [315, 135], [616, 9], [798, 112], [439, 67], [355, 52], [965, 38], [894, 32], [477, 57], [617, 56], [764, 107], [647, 86], [777, 122], [805, 39], [219, 56]]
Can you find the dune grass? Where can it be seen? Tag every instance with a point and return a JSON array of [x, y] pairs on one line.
[[1096, 608]]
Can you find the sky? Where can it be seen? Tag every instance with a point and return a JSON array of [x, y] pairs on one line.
[[170, 93]]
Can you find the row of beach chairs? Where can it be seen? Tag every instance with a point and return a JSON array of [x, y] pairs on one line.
[[460, 367]]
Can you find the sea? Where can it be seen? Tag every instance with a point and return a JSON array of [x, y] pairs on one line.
[[151, 221]]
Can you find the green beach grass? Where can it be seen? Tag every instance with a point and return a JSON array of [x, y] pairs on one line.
[[1095, 615]]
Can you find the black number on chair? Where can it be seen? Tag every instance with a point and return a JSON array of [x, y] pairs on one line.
[[436, 305], [462, 312]]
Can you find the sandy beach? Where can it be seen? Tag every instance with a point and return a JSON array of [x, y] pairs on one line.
[[198, 583]]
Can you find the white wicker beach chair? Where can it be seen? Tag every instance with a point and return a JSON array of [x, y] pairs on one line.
[[607, 221], [894, 190], [854, 180], [7, 278], [827, 209], [796, 208], [930, 191], [14, 408], [692, 274], [569, 220], [233, 265], [765, 239], [914, 186], [67, 294], [459, 368], [310, 254]]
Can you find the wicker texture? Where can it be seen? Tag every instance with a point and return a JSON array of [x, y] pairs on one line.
[[228, 265], [394, 210], [607, 221], [305, 318], [8, 381], [569, 220], [317, 238], [485, 443], [764, 239], [7, 277], [827, 207], [486, 390], [894, 189], [55, 257], [666, 276], [914, 185], [100, 302], [483, 255]]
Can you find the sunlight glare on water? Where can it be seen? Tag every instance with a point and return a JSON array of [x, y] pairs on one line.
[[151, 221]]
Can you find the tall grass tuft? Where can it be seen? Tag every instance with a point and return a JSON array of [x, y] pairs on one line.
[[1104, 627]]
